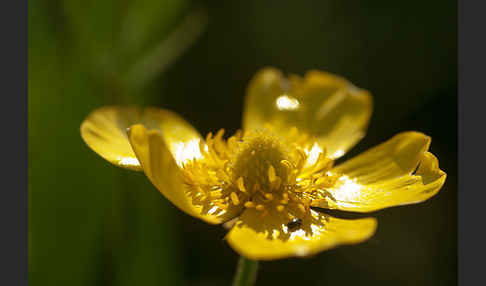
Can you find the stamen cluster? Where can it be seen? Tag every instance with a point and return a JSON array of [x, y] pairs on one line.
[[271, 174]]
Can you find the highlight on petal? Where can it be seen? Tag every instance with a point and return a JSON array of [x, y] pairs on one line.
[[105, 131], [270, 238], [160, 167], [320, 104], [399, 171]]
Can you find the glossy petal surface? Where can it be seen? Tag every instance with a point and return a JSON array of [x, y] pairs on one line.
[[387, 175], [105, 131], [321, 104], [160, 167], [256, 238]]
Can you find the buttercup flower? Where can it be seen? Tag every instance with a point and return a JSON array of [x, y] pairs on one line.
[[268, 181]]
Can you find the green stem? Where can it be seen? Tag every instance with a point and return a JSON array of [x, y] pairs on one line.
[[245, 272]]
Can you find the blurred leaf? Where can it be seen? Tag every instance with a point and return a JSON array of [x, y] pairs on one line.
[[166, 52]]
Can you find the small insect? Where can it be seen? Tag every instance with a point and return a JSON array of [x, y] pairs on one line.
[[294, 224]]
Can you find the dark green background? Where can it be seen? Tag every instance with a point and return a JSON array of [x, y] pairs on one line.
[[91, 223]]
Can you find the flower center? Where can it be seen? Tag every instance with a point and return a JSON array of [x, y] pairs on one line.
[[282, 175], [259, 163]]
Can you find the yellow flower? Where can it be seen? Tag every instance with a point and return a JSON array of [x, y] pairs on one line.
[[268, 182]]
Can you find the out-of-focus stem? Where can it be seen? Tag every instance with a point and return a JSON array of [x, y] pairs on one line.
[[246, 272]]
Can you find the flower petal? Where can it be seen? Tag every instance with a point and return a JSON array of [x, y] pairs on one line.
[[256, 238], [320, 104], [104, 131], [385, 176], [152, 151]]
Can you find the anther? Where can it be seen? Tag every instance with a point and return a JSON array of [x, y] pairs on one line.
[[221, 205], [241, 185], [249, 204], [301, 207], [260, 207], [219, 135], [275, 185], [272, 176], [322, 180], [269, 196], [202, 147], [234, 199], [285, 199], [286, 164], [280, 208], [208, 136], [216, 194]]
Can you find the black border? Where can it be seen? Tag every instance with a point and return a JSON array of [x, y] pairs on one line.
[[13, 203], [471, 139]]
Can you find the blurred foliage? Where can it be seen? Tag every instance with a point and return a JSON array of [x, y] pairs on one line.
[[90, 223], [93, 224]]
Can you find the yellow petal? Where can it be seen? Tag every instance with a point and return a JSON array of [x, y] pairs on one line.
[[385, 175], [265, 238], [320, 104], [104, 131], [160, 167]]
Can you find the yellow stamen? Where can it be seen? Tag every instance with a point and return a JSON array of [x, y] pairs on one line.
[[216, 194], [221, 205], [219, 135], [234, 198], [260, 171], [241, 185], [322, 180], [302, 159], [301, 207], [295, 198], [287, 165], [285, 199], [249, 204], [202, 147], [208, 137], [272, 176], [276, 184], [305, 183]]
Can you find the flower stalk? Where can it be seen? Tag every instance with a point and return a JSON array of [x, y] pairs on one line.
[[246, 272]]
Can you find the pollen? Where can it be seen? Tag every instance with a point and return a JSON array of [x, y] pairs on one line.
[[259, 171]]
